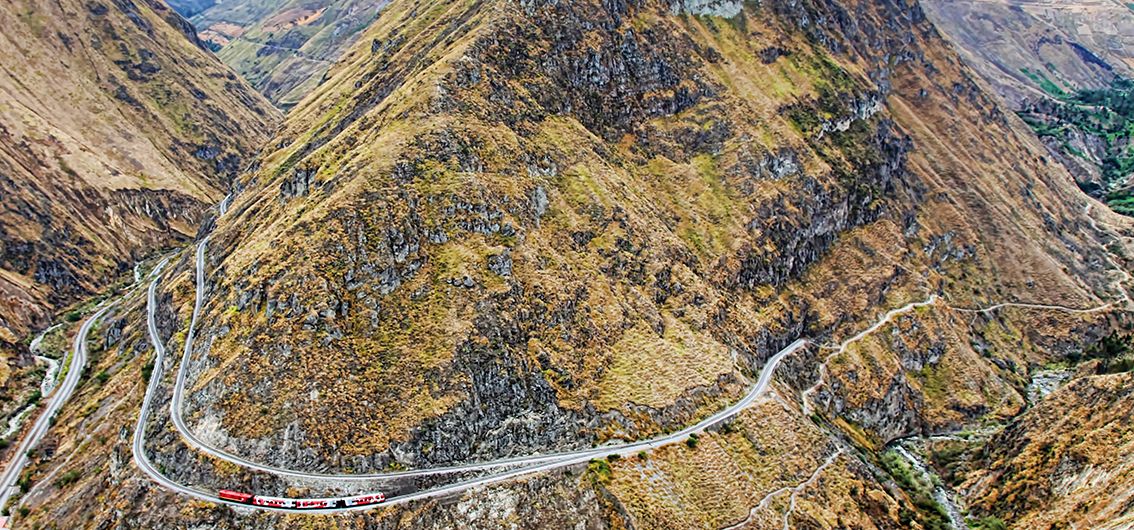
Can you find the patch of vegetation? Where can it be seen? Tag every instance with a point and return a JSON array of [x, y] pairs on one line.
[[599, 470], [24, 483], [951, 460], [833, 87], [1044, 83], [1106, 115], [987, 523], [147, 371], [68, 478], [1044, 129], [1113, 353], [930, 513]]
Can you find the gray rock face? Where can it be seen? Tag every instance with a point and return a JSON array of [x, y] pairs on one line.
[[825, 211], [57, 259], [501, 264], [714, 8], [299, 184]]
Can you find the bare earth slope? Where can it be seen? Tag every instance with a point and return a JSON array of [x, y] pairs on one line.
[[503, 228], [116, 129], [1072, 43]]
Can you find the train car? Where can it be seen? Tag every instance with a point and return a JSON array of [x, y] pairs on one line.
[[273, 502], [313, 504], [300, 504], [235, 496], [360, 500]]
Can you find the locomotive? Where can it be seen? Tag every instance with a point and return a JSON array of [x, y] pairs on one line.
[[300, 504]]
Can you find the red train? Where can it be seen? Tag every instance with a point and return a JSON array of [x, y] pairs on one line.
[[300, 504]]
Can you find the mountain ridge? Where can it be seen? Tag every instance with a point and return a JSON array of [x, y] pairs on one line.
[[507, 228]]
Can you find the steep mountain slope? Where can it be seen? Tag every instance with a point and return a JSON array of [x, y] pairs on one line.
[[667, 193], [1061, 64], [284, 47], [1067, 461], [188, 8], [116, 128], [1027, 49], [503, 228]]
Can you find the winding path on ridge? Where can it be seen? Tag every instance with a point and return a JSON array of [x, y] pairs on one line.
[[535, 463], [1123, 300], [75, 370]]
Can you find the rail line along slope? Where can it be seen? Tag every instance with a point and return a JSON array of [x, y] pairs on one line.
[[534, 464], [116, 129], [505, 228]]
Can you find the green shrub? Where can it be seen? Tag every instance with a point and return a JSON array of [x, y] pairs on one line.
[[147, 371], [932, 515], [987, 523], [24, 483], [599, 470], [68, 478]]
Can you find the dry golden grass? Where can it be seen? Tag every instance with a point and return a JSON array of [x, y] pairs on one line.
[[717, 482], [1065, 462], [647, 369], [727, 474]]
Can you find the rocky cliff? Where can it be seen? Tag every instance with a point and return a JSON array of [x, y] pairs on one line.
[[571, 195]]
